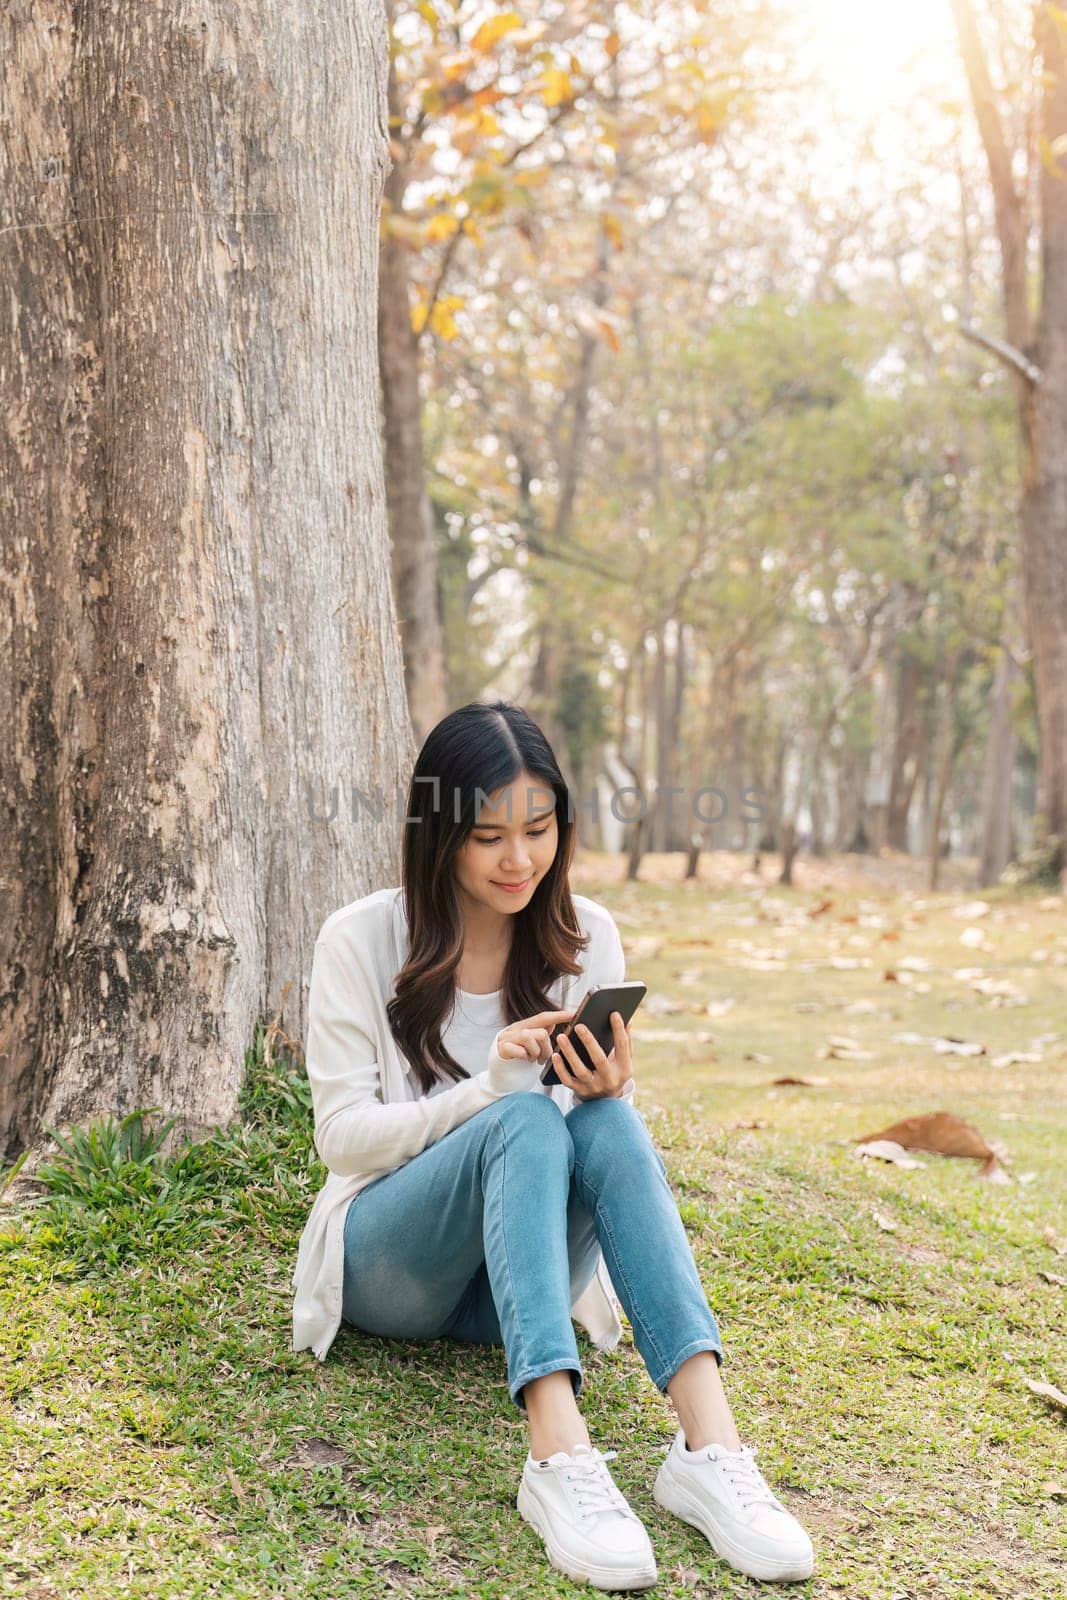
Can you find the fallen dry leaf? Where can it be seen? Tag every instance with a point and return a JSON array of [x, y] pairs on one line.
[[943, 1134], [787, 1080], [972, 910], [1052, 1277], [886, 1224], [949, 1045], [661, 1005], [1054, 1491], [839, 1047], [1049, 1236], [719, 1008], [1048, 1391]]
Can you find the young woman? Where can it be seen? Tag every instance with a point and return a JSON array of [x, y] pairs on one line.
[[466, 1200]]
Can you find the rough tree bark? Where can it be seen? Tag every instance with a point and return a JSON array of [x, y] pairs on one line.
[[199, 638]]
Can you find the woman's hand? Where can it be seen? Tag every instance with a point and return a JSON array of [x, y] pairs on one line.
[[521, 1048], [613, 1071], [530, 1038]]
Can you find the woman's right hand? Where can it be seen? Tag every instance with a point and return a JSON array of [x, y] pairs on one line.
[[521, 1046], [531, 1038]]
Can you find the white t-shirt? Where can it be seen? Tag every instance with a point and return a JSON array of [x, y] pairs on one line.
[[476, 1020]]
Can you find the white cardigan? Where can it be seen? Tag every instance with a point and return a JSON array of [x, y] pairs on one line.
[[369, 1119]]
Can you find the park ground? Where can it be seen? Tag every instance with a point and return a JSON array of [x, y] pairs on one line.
[[882, 1324]]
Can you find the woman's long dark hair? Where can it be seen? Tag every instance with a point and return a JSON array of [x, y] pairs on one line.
[[469, 755]]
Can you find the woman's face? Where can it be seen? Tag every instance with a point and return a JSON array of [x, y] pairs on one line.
[[513, 842]]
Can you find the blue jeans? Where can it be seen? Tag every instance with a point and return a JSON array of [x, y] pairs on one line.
[[489, 1235]]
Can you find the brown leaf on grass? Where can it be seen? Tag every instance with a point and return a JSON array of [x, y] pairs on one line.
[[787, 1080], [1047, 1391], [1054, 1491], [1052, 1277], [824, 905], [943, 1134], [1049, 1236]]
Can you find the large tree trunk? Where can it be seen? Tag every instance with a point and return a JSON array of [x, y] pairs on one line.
[[209, 645], [414, 551]]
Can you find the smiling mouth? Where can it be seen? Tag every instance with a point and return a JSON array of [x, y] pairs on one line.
[[520, 885]]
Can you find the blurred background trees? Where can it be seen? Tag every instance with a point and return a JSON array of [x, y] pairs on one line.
[[718, 459]]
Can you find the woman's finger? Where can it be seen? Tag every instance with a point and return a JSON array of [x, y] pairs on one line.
[[592, 1046]]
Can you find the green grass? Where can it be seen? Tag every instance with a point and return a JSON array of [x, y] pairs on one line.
[[161, 1438]]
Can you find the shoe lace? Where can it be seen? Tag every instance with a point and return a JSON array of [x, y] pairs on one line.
[[747, 1481], [592, 1487]]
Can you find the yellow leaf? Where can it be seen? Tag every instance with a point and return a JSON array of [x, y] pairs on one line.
[[608, 332], [1050, 156], [428, 14], [613, 228], [442, 226], [454, 66], [442, 321], [494, 28], [418, 316], [556, 87], [472, 230]]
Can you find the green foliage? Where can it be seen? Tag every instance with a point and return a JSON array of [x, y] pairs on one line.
[[1041, 866], [113, 1196]]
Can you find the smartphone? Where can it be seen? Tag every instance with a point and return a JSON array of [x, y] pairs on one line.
[[595, 1011]]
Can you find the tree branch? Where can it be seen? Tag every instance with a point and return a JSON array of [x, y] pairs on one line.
[[1012, 358]]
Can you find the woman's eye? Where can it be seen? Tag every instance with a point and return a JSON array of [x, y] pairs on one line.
[[535, 834]]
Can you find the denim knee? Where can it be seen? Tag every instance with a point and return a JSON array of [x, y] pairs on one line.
[[537, 1118], [609, 1125]]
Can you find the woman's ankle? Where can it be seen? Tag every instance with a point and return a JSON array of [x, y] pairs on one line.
[[552, 1415]]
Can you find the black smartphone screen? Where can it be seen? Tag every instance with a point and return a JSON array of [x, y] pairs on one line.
[[595, 1011]]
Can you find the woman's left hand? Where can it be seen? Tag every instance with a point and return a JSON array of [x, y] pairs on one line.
[[613, 1071]]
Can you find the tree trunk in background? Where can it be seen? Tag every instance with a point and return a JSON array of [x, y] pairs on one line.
[[661, 733], [681, 829], [944, 753], [1045, 482], [1041, 406], [997, 775], [414, 550], [907, 739], [209, 644]]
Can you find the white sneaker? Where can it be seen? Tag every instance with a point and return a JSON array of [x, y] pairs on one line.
[[590, 1530], [724, 1494]]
